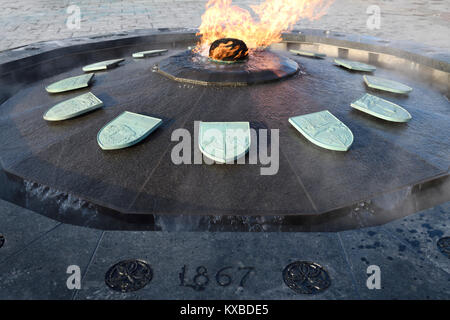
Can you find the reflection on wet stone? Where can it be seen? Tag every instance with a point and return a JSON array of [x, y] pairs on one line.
[[444, 246]]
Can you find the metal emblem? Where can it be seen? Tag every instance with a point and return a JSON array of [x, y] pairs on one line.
[[308, 54], [444, 246], [71, 83], [381, 108], [73, 107], [103, 65], [2, 240], [306, 277], [126, 130], [386, 85], [354, 65], [149, 53], [324, 129], [224, 141], [128, 275]]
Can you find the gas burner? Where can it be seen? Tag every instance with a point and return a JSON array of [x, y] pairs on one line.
[[228, 50], [261, 66]]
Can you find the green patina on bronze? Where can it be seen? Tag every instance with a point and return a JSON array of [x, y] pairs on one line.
[[324, 129], [308, 54], [71, 83], [126, 130], [355, 65], [73, 107], [386, 85], [102, 65], [381, 108], [149, 53], [224, 141]]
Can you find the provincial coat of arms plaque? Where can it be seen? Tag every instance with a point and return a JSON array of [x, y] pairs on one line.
[[126, 130], [224, 141], [71, 83], [381, 108], [324, 129], [73, 107]]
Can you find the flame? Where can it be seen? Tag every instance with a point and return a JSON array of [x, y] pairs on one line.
[[224, 20]]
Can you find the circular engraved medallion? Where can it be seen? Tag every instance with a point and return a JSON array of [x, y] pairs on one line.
[[128, 275], [306, 277], [444, 246], [2, 240]]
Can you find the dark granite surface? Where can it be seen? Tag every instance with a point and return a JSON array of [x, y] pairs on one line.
[[384, 158]]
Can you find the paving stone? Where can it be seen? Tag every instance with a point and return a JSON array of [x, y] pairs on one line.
[[399, 19], [20, 227], [268, 254], [411, 267], [405, 273], [39, 271], [421, 232]]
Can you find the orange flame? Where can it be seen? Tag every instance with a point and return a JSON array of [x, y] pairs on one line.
[[224, 20], [226, 50]]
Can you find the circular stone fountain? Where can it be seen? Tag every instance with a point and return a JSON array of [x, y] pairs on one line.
[[261, 66], [57, 169]]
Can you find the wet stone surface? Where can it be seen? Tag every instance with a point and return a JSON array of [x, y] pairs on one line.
[[39, 268], [205, 265], [20, 227], [421, 232], [201, 265], [444, 246], [383, 157], [259, 67], [404, 272]]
